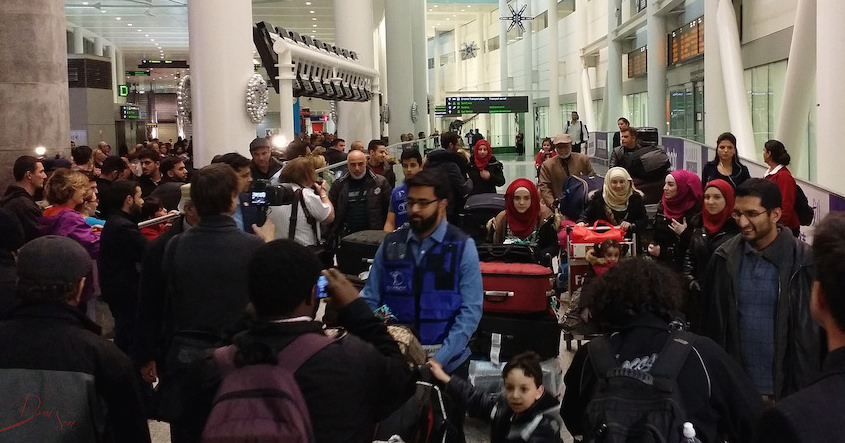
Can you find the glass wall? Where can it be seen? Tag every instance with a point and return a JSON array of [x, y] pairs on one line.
[[635, 106], [598, 115], [543, 122], [764, 86], [686, 111]]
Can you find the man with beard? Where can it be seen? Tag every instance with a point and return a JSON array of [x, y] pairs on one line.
[[555, 171], [122, 248], [379, 163], [360, 197], [428, 275], [173, 176], [150, 174]]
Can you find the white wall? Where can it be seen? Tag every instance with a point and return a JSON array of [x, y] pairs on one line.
[[763, 17]]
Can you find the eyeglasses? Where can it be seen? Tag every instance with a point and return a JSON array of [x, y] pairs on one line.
[[422, 203], [748, 214]]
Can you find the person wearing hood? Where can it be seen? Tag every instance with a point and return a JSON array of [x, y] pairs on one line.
[[454, 164], [526, 220], [681, 202], [525, 412], [712, 229], [619, 203], [726, 165], [485, 171]]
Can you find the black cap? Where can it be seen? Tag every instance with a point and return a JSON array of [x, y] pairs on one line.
[[53, 259], [259, 142]]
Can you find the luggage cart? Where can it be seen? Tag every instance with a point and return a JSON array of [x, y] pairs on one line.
[[575, 255]]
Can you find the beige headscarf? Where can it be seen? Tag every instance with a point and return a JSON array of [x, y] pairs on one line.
[[617, 201]]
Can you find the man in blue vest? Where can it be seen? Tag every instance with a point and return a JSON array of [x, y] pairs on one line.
[[429, 277]]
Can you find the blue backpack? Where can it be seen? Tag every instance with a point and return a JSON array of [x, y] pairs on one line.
[[575, 192]]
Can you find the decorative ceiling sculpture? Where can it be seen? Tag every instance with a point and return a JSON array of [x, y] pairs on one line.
[[516, 18], [469, 50]]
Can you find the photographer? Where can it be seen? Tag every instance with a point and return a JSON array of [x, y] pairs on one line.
[[311, 206]]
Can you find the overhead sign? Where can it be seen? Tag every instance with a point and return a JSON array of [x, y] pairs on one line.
[[130, 112], [486, 105], [122, 90], [137, 74], [163, 64]]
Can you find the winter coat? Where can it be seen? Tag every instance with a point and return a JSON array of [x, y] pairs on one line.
[[482, 186], [20, 203], [596, 209]]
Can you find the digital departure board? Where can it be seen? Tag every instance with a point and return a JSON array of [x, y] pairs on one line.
[[486, 105], [638, 62], [130, 112], [687, 41]]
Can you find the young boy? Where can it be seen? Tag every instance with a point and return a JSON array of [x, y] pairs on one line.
[[397, 214], [526, 413]]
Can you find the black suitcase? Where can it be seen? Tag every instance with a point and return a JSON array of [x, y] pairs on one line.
[[648, 136], [518, 333], [357, 249], [478, 210]]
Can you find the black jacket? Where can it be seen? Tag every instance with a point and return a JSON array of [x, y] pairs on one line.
[[147, 185], [54, 354], [810, 415], [333, 156], [23, 205], [378, 202], [720, 400], [710, 171], [456, 167], [596, 209], [541, 423], [348, 386], [272, 169], [673, 247], [497, 177], [122, 248], [798, 351]]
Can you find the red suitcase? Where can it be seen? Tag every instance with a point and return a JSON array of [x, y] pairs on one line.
[[516, 287]]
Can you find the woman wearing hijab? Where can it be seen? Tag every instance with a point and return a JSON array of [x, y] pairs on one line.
[[525, 220], [714, 227], [619, 203], [484, 170], [681, 203], [726, 165]]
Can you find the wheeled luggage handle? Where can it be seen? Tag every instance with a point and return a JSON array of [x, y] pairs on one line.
[[497, 296]]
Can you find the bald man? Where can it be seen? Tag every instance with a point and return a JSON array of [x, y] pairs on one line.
[[360, 198]]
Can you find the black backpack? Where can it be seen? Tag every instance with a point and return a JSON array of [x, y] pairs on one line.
[[631, 405], [647, 163], [802, 207]]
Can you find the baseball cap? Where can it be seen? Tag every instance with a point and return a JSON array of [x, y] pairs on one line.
[[259, 142], [53, 259], [562, 138]]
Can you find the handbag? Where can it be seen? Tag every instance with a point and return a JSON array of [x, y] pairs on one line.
[[320, 249], [596, 233], [510, 253]]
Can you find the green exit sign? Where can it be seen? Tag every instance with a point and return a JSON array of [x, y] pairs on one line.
[[122, 90]]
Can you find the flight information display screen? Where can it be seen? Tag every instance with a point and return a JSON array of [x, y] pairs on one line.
[[486, 105]]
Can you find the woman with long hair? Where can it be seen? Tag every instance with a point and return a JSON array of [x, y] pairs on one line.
[[775, 155], [726, 165], [313, 207], [680, 204]]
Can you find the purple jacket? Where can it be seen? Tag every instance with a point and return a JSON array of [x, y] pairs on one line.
[[66, 222]]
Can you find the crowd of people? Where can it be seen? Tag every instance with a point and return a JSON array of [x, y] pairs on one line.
[[192, 260]]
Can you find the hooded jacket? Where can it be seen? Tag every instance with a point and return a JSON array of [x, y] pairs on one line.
[[19, 202], [798, 351], [456, 167]]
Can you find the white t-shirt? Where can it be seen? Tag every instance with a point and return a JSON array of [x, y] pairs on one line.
[[280, 216], [575, 131]]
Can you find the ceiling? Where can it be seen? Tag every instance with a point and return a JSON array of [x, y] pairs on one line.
[[158, 29]]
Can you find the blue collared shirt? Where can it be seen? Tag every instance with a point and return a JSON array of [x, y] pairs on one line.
[[454, 350]]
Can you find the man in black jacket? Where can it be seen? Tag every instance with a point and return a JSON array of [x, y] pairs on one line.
[[456, 167], [19, 198], [361, 199], [60, 380], [122, 247], [349, 385], [811, 415]]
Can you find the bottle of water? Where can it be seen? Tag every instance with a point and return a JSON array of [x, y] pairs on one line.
[[689, 434]]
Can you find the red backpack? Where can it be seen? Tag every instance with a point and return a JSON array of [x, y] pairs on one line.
[[262, 403]]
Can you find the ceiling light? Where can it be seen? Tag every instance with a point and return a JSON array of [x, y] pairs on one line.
[[84, 3], [447, 18], [313, 30], [117, 18], [469, 6], [435, 6], [152, 39], [462, 10], [307, 3], [103, 11], [311, 12], [146, 35], [139, 30], [314, 19], [129, 24], [314, 26], [430, 10]]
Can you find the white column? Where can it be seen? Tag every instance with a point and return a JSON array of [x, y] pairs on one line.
[[380, 49], [503, 45], [733, 76], [613, 84], [716, 120], [400, 61], [420, 66], [78, 41], [286, 99], [460, 73], [110, 53], [120, 71], [830, 95], [527, 85], [587, 93], [656, 31], [582, 93], [554, 69], [353, 27], [438, 88], [98, 46], [799, 91], [221, 65]]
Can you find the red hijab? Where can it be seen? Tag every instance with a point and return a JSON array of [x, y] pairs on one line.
[[689, 195], [481, 163], [522, 224], [713, 223]]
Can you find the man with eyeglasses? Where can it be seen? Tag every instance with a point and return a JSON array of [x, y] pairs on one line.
[[428, 275], [758, 290]]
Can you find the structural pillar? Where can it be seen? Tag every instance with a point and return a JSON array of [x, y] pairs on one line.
[[799, 89], [734, 79], [420, 67], [353, 27], [716, 120], [120, 70], [613, 84], [400, 63], [527, 85], [112, 59], [555, 125], [656, 31], [78, 41], [33, 81], [830, 95], [504, 79], [98, 46], [221, 66]]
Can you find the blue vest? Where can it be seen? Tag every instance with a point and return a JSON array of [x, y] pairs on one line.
[[425, 297]]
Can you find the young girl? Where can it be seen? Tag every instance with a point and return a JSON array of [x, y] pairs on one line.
[[545, 153], [525, 413], [153, 208], [601, 257]]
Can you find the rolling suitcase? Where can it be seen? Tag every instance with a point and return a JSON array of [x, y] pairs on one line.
[[478, 210], [504, 336], [357, 250], [516, 287]]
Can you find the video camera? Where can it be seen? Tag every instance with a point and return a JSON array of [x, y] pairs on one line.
[[265, 195]]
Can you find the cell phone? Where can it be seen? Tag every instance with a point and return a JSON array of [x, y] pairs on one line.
[[322, 286], [259, 197]]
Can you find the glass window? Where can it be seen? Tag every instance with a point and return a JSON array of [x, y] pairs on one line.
[[764, 86], [635, 106]]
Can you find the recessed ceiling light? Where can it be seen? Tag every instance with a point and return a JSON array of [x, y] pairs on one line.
[[314, 19], [139, 30], [447, 18], [313, 30], [117, 18], [469, 6], [129, 24], [103, 11], [146, 35], [84, 3], [462, 10], [152, 39], [307, 3], [430, 10], [311, 12], [435, 6], [314, 26]]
